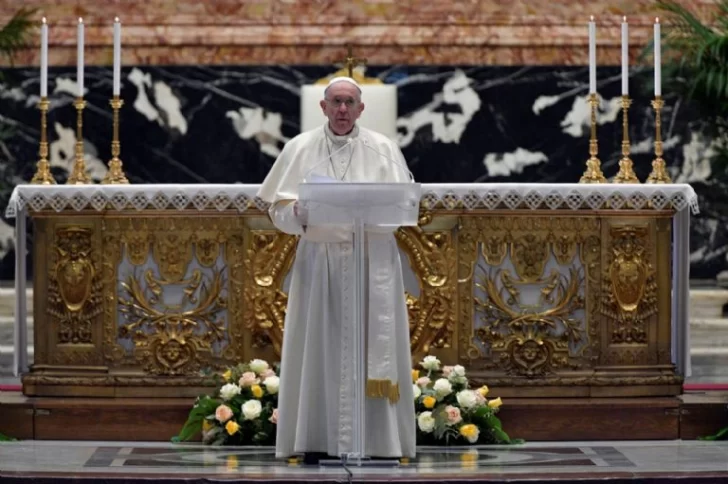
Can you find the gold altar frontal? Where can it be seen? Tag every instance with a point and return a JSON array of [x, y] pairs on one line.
[[534, 302]]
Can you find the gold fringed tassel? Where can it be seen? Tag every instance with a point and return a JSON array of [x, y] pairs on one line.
[[383, 389]]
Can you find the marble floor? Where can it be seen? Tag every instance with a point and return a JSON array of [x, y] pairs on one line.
[[647, 461]]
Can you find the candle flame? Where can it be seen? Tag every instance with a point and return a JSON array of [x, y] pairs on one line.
[[657, 20], [592, 18], [116, 19], [44, 20], [624, 19], [80, 20]]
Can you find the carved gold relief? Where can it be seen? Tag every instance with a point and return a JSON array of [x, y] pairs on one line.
[[169, 339], [74, 290], [543, 300], [268, 260], [529, 254], [431, 316], [171, 311], [533, 306], [173, 253], [631, 296], [494, 249]]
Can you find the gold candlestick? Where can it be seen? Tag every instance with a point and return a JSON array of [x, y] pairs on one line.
[[659, 170], [593, 173], [78, 175], [43, 171], [626, 172], [115, 175]]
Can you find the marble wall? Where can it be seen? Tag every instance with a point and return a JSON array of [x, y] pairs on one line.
[[305, 32], [487, 93]]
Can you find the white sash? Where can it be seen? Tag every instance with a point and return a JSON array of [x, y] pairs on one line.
[[381, 368]]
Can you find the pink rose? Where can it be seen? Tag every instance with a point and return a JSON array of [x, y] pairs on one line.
[[446, 370], [479, 399], [223, 413], [274, 418], [423, 381], [453, 414], [267, 373], [248, 379]]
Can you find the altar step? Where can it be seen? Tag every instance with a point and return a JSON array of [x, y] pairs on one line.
[[546, 419]]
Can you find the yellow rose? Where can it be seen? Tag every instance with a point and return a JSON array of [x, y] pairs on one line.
[[232, 427], [495, 403], [232, 462], [206, 425], [227, 375], [429, 402], [415, 375], [257, 391], [483, 391], [469, 431]]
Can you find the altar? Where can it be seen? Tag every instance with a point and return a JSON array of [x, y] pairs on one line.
[[568, 290]]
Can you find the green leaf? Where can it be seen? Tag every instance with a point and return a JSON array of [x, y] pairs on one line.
[[203, 408], [501, 436], [494, 422], [16, 34], [720, 435]]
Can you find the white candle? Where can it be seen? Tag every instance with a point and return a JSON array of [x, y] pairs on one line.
[[658, 60], [117, 56], [44, 59], [592, 57], [625, 58], [79, 62]]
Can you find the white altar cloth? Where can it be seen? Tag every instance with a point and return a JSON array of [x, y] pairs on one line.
[[241, 197]]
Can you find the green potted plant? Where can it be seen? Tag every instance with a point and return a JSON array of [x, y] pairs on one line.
[[696, 67]]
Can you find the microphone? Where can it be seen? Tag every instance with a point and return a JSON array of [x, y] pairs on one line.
[[406, 169]]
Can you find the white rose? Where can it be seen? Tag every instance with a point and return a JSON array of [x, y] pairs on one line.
[[426, 422], [258, 366], [457, 374], [467, 399], [430, 363], [271, 384], [251, 409], [416, 390], [229, 390], [442, 387]]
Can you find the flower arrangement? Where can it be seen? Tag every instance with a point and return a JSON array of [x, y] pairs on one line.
[[243, 410], [448, 412]]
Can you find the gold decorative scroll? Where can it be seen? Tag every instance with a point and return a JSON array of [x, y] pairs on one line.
[[74, 290], [268, 259], [431, 316], [632, 295], [528, 280], [176, 303]]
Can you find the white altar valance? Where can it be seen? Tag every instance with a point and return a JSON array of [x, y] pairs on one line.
[[242, 197]]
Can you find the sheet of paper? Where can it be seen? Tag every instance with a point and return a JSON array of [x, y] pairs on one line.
[[314, 178]]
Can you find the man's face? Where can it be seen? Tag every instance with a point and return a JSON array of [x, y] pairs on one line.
[[342, 105]]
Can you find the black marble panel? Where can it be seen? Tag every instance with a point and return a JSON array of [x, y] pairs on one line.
[[224, 124]]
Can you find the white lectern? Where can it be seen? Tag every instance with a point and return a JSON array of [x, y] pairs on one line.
[[360, 205]]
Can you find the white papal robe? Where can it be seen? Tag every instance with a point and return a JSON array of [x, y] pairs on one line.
[[316, 400]]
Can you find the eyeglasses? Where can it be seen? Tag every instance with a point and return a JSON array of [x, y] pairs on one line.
[[349, 102]]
